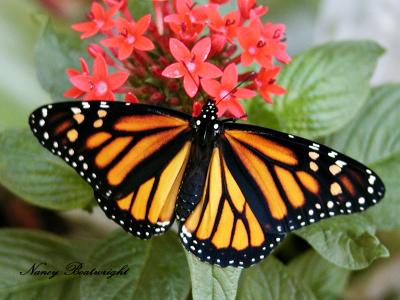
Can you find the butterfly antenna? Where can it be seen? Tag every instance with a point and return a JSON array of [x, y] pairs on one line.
[[249, 76]]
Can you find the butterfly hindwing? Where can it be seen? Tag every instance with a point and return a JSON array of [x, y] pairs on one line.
[[133, 156], [222, 228]]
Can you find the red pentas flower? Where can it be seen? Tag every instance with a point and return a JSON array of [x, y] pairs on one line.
[[131, 98], [226, 93], [225, 26], [95, 50], [196, 108], [249, 9], [181, 52], [266, 83], [188, 21], [190, 9], [131, 37], [101, 85], [262, 43], [74, 92], [100, 21], [191, 65]]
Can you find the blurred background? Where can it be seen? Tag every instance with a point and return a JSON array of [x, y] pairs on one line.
[[309, 22]]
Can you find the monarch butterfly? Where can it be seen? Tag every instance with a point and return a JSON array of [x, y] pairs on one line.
[[235, 189]]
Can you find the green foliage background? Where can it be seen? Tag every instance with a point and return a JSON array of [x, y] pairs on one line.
[[329, 98]]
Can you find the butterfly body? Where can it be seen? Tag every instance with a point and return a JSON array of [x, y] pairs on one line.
[[206, 128], [235, 189]]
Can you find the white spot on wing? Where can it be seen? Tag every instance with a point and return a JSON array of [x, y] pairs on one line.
[[340, 163], [104, 105], [332, 154], [76, 110], [186, 232], [371, 179]]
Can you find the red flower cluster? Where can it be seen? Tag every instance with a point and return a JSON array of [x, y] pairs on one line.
[[186, 50]]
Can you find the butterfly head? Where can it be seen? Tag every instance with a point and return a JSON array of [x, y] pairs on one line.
[[207, 124], [208, 115], [209, 110]]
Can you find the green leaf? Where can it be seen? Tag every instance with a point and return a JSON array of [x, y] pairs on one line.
[[270, 279], [140, 8], [157, 269], [211, 281], [57, 49], [260, 113], [326, 86], [346, 241], [326, 280], [20, 250], [39, 177], [374, 138]]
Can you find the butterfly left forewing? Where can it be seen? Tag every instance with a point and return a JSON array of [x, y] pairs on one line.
[[132, 155]]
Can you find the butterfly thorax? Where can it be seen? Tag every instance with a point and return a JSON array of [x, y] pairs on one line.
[[206, 125]]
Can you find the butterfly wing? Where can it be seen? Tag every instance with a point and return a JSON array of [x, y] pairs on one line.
[[223, 228], [262, 184], [133, 156]]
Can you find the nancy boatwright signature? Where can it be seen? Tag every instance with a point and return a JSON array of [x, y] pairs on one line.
[[75, 268]]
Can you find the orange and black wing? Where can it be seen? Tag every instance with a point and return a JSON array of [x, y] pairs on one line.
[[262, 184], [223, 227], [133, 156]]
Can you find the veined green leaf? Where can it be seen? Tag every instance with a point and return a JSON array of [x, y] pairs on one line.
[[270, 279], [157, 269], [33, 173], [22, 251], [326, 87], [57, 50], [326, 280], [374, 138], [211, 281], [346, 241]]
